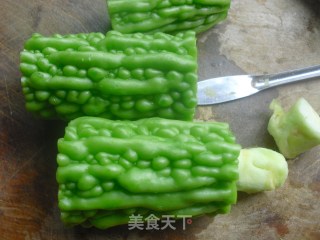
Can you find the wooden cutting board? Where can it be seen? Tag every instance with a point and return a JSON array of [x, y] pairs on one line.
[[260, 36]]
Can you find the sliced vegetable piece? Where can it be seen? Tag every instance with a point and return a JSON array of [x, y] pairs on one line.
[[296, 130]]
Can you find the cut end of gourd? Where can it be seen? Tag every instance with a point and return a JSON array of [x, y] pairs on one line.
[[261, 169]]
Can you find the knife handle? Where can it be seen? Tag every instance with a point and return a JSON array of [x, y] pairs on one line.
[[272, 80]]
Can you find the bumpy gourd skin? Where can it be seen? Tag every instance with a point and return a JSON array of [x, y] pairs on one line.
[[171, 16], [117, 76], [108, 170]]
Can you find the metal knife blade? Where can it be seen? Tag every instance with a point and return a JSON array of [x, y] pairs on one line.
[[224, 89]]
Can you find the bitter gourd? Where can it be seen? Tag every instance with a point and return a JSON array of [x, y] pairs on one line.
[[116, 76], [171, 16], [110, 169]]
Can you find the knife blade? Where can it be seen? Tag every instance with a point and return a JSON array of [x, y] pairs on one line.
[[229, 88]]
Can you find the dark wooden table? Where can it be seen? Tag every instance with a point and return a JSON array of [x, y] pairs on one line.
[[259, 36]]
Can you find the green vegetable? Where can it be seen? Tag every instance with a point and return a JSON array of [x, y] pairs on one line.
[[129, 16], [117, 76], [296, 130], [261, 169], [108, 170]]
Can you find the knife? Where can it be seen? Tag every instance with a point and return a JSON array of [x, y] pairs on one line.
[[229, 88]]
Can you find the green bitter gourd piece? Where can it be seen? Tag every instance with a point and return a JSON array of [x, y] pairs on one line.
[[117, 76], [171, 16], [110, 169]]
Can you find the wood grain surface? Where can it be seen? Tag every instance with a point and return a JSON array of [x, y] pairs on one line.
[[259, 36]]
